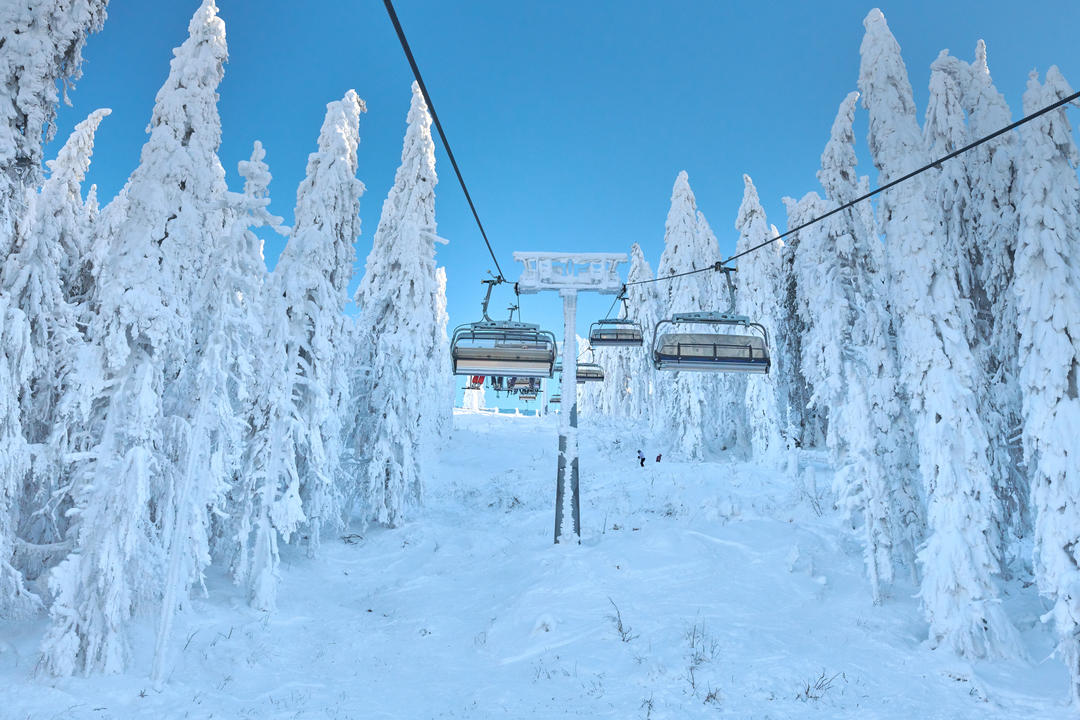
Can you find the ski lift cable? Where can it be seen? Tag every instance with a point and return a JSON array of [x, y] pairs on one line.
[[438, 126], [721, 265]]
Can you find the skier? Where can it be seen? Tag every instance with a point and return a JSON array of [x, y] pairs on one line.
[[658, 458], [641, 458]]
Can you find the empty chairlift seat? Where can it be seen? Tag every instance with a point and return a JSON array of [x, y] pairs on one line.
[[589, 372], [745, 352], [615, 333], [503, 348], [586, 372]]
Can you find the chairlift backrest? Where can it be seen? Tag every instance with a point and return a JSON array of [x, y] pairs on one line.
[[503, 348], [589, 372], [712, 351], [615, 333]]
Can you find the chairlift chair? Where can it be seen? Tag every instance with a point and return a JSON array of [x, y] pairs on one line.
[[493, 347], [712, 351], [586, 372], [616, 332], [589, 372]]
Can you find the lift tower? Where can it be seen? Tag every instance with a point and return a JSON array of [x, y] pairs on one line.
[[569, 274]]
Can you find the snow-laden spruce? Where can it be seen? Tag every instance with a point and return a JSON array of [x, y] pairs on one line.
[[404, 331], [627, 388], [47, 278], [953, 198], [42, 46], [961, 559], [311, 283], [684, 407], [1048, 299], [43, 284], [142, 324], [848, 359], [993, 171], [804, 424], [213, 481], [758, 297]]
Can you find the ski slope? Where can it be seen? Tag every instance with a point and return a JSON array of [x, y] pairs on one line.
[[736, 598]]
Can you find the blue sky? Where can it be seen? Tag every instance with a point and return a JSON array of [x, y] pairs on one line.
[[570, 120]]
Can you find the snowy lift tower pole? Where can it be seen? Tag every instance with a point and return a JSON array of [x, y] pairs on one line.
[[569, 274]]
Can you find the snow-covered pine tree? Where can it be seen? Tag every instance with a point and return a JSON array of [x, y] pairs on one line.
[[443, 379], [43, 42], [399, 297], [758, 297], [43, 277], [312, 279], [643, 308], [173, 207], [995, 224], [804, 425], [1047, 283], [848, 358], [953, 196], [961, 559], [627, 387], [16, 367], [221, 377], [686, 398]]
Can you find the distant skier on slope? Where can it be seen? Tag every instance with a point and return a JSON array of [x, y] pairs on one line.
[[641, 458]]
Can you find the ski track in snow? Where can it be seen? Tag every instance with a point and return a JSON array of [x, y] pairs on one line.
[[737, 600]]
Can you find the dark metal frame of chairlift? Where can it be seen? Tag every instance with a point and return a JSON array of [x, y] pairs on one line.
[[521, 336], [715, 363]]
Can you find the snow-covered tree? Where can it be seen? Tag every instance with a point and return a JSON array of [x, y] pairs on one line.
[[43, 43], [1048, 298], [952, 191], [642, 304], [627, 388], [686, 398], [312, 279], [142, 324], [221, 377], [442, 379], [804, 425], [848, 358], [16, 368], [44, 278], [960, 560], [994, 198], [758, 297], [402, 305]]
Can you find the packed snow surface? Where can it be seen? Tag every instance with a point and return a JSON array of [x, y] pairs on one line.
[[704, 589]]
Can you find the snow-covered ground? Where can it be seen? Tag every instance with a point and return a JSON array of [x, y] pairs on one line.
[[699, 590]]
